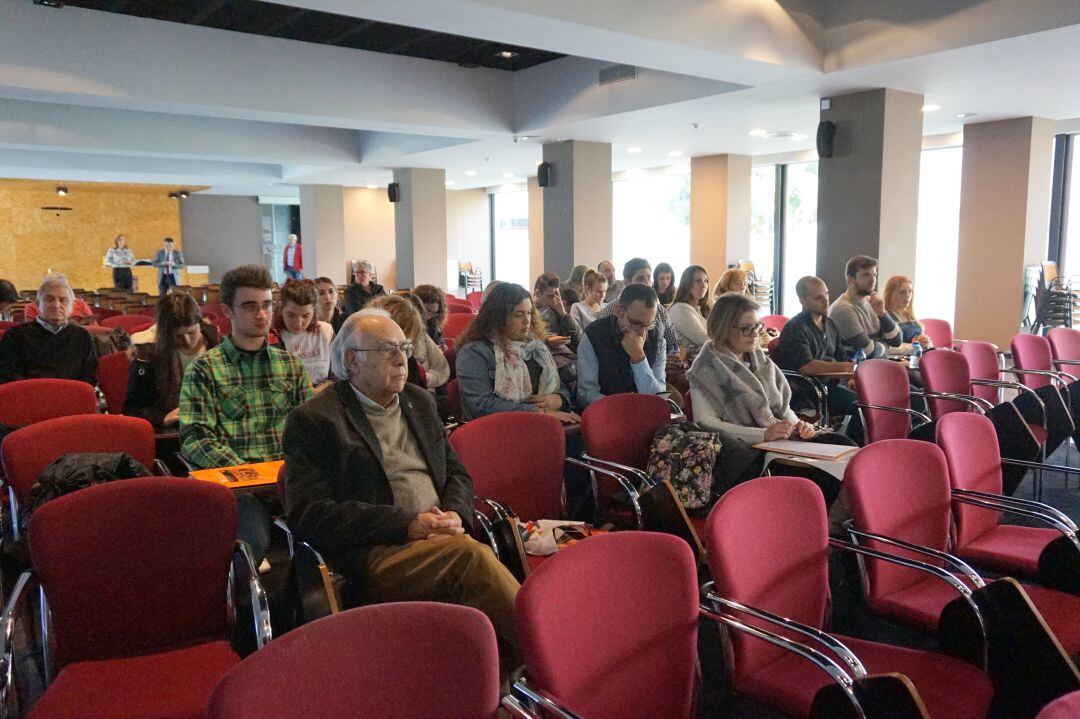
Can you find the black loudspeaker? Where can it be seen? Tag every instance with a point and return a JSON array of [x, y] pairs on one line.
[[393, 191], [543, 174], [826, 131]]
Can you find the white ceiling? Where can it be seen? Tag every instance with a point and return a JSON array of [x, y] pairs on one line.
[[87, 95]]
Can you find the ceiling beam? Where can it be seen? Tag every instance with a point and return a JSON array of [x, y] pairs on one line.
[[352, 32], [405, 44], [207, 10], [284, 22]]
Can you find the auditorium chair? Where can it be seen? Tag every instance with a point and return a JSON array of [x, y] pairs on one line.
[[27, 401], [1066, 707], [29, 450], [129, 323], [1065, 346], [901, 502], [1050, 553], [774, 322], [455, 325], [135, 598], [940, 333], [608, 629], [1034, 364], [885, 400], [474, 299], [771, 591], [453, 308], [112, 375]]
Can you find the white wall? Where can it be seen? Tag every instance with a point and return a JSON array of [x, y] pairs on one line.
[[468, 228], [369, 231]]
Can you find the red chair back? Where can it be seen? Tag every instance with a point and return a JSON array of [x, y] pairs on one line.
[[456, 324], [1032, 352], [774, 322], [27, 401], [1066, 707], [453, 399], [27, 451], [1065, 344], [780, 566], [940, 333], [608, 626], [899, 488], [112, 375], [135, 566], [456, 309], [982, 358], [6, 324], [517, 459], [970, 444], [945, 371], [224, 326], [884, 382], [474, 299], [393, 661], [620, 427], [773, 344], [129, 323], [212, 309]]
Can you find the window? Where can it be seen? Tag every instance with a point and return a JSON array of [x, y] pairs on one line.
[[800, 230], [652, 220], [938, 238], [510, 237], [763, 220], [1070, 264]]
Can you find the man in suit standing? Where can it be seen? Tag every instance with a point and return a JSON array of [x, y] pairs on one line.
[[168, 262], [372, 484]]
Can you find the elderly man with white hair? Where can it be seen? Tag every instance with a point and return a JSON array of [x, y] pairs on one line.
[[50, 345], [372, 483], [362, 289]]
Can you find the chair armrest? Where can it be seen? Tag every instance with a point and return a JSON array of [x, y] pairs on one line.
[[1022, 503], [260, 607], [280, 523], [1055, 376], [676, 411], [957, 564], [979, 404], [1016, 386], [513, 706], [160, 469], [317, 583], [644, 482], [182, 458], [595, 467], [817, 387], [500, 510], [482, 523], [900, 410], [8, 626], [1041, 465], [538, 698], [1037, 511]]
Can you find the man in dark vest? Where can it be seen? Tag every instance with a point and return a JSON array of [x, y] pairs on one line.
[[623, 352]]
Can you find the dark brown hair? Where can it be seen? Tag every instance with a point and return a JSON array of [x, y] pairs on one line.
[[252, 276], [300, 293], [429, 294], [495, 312], [176, 310], [859, 262], [686, 281]]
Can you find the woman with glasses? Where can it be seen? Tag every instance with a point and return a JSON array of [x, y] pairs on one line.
[[690, 309], [738, 392], [300, 333], [504, 364], [426, 354]]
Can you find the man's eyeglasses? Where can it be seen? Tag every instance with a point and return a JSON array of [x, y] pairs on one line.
[[638, 325], [750, 330], [387, 350], [252, 308]]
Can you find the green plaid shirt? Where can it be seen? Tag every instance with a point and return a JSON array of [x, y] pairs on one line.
[[233, 404]]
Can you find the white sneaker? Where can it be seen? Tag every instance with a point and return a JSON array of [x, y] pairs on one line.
[[264, 567]]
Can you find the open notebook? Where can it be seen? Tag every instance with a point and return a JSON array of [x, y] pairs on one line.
[[795, 448]]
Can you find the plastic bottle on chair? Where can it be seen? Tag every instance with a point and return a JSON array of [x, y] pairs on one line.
[[858, 358], [916, 356]]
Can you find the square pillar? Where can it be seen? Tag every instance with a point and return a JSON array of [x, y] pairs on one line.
[[719, 211], [420, 227], [536, 228], [322, 232], [577, 205]]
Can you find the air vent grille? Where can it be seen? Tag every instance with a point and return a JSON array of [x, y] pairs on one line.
[[617, 73]]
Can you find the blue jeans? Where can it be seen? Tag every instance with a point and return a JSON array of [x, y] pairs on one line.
[[253, 524], [294, 274]]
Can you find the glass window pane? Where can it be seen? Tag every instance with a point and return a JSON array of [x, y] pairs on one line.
[[1071, 259], [763, 220], [938, 236], [510, 226], [652, 220], [800, 230]]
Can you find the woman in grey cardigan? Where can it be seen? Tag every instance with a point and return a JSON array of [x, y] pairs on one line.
[[504, 364]]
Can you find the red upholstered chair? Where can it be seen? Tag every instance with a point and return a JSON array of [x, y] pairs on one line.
[[135, 574], [940, 333], [453, 399], [456, 309], [608, 628], [455, 325], [223, 324], [393, 661], [781, 567], [774, 322], [899, 491], [27, 451], [474, 299], [1034, 361], [885, 400], [946, 373], [27, 401], [1065, 346], [1066, 707], [983, 364], [112, 374], [211, 310], [129, 323]]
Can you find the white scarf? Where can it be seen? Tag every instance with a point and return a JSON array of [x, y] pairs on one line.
[[512, 380]]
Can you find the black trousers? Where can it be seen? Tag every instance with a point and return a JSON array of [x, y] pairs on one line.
[[166, 282], [121, 278]]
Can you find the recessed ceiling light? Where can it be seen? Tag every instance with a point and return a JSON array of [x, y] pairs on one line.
[[183, 194], [675, 153], [758, 133], [931, 108], [633, 149], [470, 173], [61, 190], [373, 187], [965, 115], [508, 175], [506, 54], [450, 183]]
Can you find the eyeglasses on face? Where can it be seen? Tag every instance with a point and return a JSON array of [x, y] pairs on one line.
[[639, 325], [387, 350], [750, 330], [252, 308]]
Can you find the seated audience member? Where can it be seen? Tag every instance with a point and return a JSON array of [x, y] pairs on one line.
[[899, 304], [328, 309], [584, 312], [425, 352], [51, 345], [733, 280], [638, 271], [576, 281], [690, 309], [300, 333], [623, 352], [859, 313], [234, 398], [614, 286], [504, 364], [372, 484], [560, 326], [664, 284], [435, 311], [488, 290], [810, 344], [79, 312], [362, 289], [738, 391], [9, 298], [158, 369]]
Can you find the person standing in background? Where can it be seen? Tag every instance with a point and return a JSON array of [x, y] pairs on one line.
[[121, 260], [293, 259], [167, 260]]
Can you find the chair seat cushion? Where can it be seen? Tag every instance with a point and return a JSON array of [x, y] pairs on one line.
[[168, 685], [1009, 549], [949, 687], [918, 605], [1062, 614]]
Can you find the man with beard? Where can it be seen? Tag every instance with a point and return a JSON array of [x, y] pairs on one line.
[[859, 313]]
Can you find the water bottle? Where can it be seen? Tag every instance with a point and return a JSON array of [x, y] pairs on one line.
[[858, 358], [915, 356]]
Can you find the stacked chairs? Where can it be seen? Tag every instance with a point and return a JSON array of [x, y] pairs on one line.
[[885, 401], [28, 401], [135, 599]]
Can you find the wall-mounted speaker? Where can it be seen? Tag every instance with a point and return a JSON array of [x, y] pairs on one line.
[[543, 174], [393, 191], [826, 131]]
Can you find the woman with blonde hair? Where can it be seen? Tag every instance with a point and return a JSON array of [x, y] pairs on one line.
[[584, 312], [403, 310], [899, 304], [733, 280]]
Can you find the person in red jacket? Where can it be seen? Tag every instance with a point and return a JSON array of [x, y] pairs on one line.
[[293, 259]]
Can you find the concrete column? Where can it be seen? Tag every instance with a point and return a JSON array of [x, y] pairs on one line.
[[719, 211], [577, 205], [420, 227], [868, 191], [536, 228], [1004, 222], [322, 228]]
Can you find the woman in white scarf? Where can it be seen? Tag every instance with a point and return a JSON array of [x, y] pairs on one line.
[[504, 365]]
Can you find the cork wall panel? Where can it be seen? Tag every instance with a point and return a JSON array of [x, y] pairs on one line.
[[34, 241]]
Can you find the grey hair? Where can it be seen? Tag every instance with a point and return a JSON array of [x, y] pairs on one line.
[[54, 279], [346, 339], [366, 265], [725, 314]]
